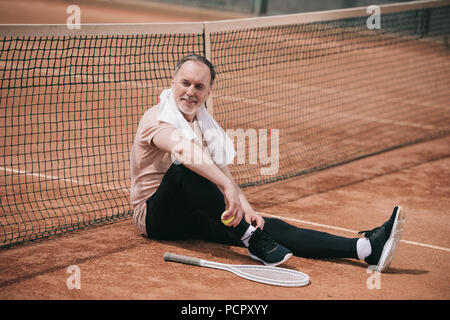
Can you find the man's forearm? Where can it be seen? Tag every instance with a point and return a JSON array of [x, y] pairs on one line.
[[191, 155], [203, 166], [246, 207]]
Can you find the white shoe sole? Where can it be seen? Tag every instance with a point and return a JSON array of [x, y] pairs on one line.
[[286, 258], [391, 244]]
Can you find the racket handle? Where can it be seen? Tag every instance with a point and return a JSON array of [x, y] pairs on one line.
[[182, 259]]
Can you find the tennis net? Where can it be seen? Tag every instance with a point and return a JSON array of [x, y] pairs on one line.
[[297, 93]]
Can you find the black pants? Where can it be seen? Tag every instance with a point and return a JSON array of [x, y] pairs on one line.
[[188, 206]]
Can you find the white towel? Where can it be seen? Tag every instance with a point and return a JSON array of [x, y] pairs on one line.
[[219, 144]]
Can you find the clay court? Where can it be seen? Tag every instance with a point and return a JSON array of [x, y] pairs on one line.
[[116, 262]]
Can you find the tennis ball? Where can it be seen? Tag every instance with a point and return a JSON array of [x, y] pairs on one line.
[[226, 221]]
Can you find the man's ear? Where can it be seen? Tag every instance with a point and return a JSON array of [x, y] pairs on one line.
[[211, 90]]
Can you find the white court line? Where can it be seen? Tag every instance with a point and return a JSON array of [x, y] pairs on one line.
[[72, 181], [296, 85], [238, 99], [85, 78], [340, 94], [350, 231], [105, 186]]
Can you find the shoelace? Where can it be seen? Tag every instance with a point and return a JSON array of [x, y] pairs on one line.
[[266, 242], [368, 233]]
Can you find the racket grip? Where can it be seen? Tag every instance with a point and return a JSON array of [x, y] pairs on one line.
[[182, 259]]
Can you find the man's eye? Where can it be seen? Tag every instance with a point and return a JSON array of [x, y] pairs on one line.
[[199, 87]]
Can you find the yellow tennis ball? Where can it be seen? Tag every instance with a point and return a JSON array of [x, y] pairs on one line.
[[226, 221]]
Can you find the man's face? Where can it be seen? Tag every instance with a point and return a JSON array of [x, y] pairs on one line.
[[191, 86]]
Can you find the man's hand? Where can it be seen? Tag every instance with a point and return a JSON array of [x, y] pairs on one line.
[[231, 194], [249, 214], [254, 219]]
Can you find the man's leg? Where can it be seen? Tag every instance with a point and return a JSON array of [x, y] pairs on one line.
[[188, 206], [310, 243]]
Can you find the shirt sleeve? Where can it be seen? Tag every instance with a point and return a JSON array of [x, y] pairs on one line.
[[150, 127]]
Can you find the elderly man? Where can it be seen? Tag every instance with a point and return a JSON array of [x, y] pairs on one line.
[[181, 185]]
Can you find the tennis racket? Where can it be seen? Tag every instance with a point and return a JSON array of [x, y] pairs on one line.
[[264, 274]]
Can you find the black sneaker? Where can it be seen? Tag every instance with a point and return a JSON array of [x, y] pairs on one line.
[[263, 248], [384, 240]]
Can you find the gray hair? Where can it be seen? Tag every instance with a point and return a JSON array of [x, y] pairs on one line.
[[196, 57]]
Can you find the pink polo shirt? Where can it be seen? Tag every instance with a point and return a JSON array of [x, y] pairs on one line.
[[148, 164]]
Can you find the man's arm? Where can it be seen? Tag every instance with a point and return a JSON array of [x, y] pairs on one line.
[[170, 140]]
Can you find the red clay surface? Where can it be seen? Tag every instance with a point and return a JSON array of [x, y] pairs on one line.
[[54, 12], [117, 263]]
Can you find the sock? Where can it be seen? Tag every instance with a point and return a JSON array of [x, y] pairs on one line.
[[363, 248], [247, 235], [244, 231]]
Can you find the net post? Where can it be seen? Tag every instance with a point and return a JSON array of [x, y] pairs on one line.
[[259, 7], [207, 51]]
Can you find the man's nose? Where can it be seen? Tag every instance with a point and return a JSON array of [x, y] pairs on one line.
[[190, 91]]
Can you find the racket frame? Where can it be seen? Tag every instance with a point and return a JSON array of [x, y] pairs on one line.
[[239, 270]]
